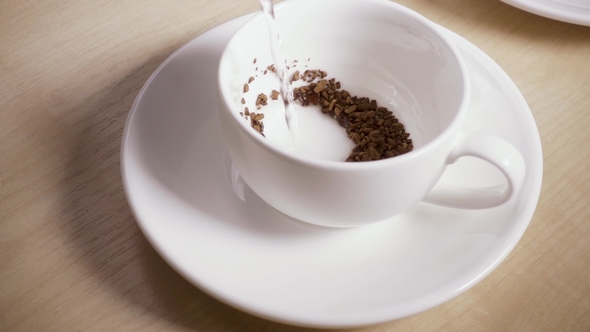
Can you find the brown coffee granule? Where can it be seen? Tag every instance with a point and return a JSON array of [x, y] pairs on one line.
[[246, 87], [376, 132], [256, 123], [254, 61], [261, 100], [243, 100], [310, 75], [295, 76], [250, 80], [274, 95]]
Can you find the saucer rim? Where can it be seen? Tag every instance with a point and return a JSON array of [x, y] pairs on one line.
[[515, 235], [545, 9]]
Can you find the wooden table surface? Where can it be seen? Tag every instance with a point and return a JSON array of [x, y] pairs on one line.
[[72, 257]]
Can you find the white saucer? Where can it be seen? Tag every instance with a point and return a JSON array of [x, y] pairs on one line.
[[571, 11], [221, 237]]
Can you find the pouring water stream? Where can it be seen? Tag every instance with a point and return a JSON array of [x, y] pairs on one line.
[[280, 62]]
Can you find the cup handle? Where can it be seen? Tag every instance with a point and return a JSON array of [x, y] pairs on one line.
[[494, 150]]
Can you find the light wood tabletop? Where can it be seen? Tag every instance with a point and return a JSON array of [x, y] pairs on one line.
[[72, 257]]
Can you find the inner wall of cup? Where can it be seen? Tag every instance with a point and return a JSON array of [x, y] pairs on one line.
[[373, 49]]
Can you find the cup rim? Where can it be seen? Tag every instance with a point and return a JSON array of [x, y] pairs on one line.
[[343, 165]]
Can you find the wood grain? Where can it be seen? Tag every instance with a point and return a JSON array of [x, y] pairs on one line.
[[72, 257]]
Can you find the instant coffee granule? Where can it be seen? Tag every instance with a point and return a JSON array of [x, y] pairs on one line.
[[261, 100], [274, 95], [256, 122]]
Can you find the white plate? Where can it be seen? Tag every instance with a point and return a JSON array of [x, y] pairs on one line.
[[210, 227], [572, 11]]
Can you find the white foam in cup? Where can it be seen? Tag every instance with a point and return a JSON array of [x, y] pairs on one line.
[[376, 49]]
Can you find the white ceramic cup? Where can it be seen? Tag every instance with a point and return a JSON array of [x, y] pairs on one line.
[[378, 49]]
